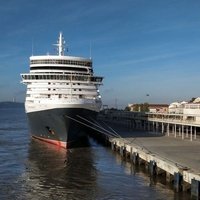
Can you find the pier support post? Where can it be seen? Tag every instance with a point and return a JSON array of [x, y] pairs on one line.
[[162, 128], [152, 167], [175, 130], [169, 177], [157, 127], [178, 180], [113, 146], [121, 150], [168, 129], [195, 189], [182, 132], [179, 130], [186, 131], [195, 132], [135, 158], [190, 133]]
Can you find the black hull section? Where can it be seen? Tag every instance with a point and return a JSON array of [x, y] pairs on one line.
[[66, 127]]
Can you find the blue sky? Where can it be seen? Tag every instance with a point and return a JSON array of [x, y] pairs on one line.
[[140, 46]]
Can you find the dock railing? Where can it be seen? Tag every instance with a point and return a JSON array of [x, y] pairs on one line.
[[181, 119]]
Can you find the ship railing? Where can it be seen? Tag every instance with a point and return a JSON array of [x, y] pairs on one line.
[[61, 61], [175, 121], [62, 100], [62, 77]]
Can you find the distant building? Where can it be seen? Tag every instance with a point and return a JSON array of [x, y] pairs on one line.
[[187, 108], [192, 111], [177, 107], [161, 108], [158, 108], [197, 100]]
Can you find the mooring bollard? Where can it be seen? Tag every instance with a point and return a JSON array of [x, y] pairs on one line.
[[195, 189]]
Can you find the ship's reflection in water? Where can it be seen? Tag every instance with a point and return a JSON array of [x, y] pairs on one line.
[[59, 174]]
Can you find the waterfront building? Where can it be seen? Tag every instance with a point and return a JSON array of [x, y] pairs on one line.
[[161, 108]]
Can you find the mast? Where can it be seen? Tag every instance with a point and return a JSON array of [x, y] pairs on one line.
[[60, 45]]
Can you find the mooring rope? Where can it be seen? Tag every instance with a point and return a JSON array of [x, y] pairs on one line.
[[113, 130], [107, 134], [99, 126], [113, 133]]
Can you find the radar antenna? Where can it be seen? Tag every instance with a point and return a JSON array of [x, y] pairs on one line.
[[60, 45]]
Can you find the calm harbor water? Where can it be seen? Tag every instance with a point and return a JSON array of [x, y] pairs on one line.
[[30, 169]]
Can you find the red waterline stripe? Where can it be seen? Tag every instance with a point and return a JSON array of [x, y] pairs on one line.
[[55, 142]]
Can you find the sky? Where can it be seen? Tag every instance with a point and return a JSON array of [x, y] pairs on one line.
[[140, 47]]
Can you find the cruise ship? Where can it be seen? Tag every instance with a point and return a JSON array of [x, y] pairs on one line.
[[62, 97]]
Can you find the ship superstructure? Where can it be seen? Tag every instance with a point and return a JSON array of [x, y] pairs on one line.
[[60, 89]]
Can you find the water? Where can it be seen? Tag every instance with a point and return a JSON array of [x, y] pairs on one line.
[[30, 169]]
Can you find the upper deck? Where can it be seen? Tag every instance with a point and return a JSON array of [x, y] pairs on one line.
[[28, 78], [59, 60], [60, 63]]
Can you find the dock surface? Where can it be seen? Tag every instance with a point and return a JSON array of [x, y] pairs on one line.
[[186, 153], [173, 154]]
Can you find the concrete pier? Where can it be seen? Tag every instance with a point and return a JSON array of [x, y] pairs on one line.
[[178, 159]]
